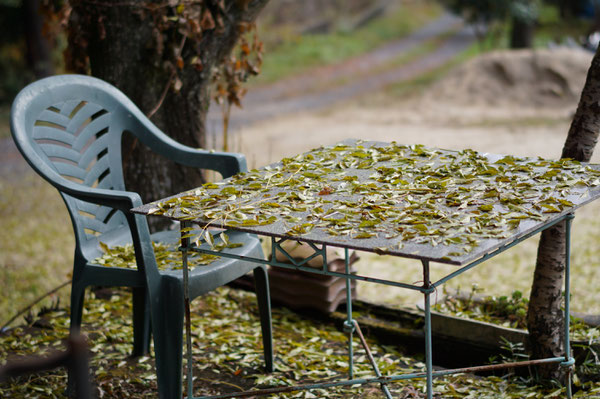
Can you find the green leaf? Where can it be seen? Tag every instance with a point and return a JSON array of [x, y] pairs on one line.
[[364, 234], [225, 238], [104, 247], [368, 223], [209, 239]]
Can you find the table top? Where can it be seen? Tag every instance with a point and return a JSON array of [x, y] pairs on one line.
[[444, 206]]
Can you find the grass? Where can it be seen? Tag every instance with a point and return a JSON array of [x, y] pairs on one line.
[[525, 121], [552, 28], [36, 242], [416, 86], [422, 49], [4, 121], [295, 53]]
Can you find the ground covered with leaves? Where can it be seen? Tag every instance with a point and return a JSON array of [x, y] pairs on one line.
[[228, 355], [507, 311]]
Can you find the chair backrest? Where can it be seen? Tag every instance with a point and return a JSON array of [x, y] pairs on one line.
[[70, 127]]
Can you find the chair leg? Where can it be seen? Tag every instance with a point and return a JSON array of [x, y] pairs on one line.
[[77, 299], [167, 332], [261, 284], [141, 322]]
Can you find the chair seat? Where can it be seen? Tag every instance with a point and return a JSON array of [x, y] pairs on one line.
[[205, 278]]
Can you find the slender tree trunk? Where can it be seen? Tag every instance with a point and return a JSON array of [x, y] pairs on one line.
[[544, 319], [120, 39]]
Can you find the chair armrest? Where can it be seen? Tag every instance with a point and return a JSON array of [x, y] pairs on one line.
[[226, 163], [121, 200], [124, 201]]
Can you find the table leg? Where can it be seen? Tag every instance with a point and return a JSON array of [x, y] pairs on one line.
[[185, 242], [569, 361], [428, 346], [349, 324]]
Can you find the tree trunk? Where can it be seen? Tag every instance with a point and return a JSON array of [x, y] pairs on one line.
[[565, 8], [120, 39], [38, 49], [522, 32], [544, 320]]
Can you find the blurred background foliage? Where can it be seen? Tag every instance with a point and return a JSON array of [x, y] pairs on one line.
[[13, 71], [303, 34]]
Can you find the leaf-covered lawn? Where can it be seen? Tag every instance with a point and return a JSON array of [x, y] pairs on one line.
[[228, 355]]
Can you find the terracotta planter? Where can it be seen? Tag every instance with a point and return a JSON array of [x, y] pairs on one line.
[[304, 290]]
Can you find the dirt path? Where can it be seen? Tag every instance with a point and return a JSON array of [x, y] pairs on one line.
[[363, 64], [325, 86]]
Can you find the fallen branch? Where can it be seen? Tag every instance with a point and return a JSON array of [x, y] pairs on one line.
[[32, 304]]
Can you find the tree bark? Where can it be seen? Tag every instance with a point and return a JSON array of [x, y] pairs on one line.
[[38, 49], [521, 34], [120, 39], [544, 320]]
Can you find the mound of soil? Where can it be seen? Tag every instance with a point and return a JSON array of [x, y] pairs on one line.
[[533, 78]]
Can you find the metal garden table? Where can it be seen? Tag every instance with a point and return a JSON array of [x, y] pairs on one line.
[[458, 208]]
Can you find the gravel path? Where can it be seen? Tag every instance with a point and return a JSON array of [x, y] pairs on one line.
[[362, 64], [12, 164], [316, 89]]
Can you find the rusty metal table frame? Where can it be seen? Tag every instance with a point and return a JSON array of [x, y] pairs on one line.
[[350, 325], [319, 244]]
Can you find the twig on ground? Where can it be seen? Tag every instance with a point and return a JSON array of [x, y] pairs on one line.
[[32, 304]]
